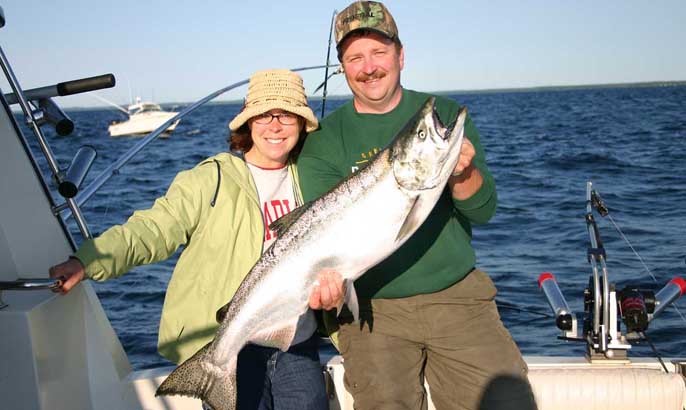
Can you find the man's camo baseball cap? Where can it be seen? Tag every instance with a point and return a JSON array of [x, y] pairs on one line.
[[365, 15]]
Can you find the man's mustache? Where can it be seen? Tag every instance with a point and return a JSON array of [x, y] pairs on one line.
[[377, 74]]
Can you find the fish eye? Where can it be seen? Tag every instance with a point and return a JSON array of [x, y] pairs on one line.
[[422, 134]]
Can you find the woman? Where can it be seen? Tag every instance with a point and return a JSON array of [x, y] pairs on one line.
[[220, 211]]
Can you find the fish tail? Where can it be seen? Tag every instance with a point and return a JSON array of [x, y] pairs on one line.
[[198, 377]]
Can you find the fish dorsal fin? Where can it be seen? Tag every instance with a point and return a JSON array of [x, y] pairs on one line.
[[411, 223], [280, 225]]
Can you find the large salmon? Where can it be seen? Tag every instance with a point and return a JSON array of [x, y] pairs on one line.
[[388, 199]]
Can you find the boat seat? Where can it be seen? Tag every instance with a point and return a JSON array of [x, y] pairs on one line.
[[602, 389], [580, 386]]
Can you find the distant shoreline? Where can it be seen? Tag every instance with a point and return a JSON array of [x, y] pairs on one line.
[[649, 84]]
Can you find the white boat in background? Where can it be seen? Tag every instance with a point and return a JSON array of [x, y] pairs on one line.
[[61, 352], [144, 117]]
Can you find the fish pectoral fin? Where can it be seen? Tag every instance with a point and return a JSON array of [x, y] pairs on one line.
[[411, 223], [280, 225], [278, 337], [198, 377], [221, 313], [351, 299]]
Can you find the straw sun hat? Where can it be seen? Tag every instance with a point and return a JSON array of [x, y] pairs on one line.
[[275, 89]]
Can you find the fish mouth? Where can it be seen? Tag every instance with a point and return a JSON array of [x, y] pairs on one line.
[[442, 131], [453, 129]]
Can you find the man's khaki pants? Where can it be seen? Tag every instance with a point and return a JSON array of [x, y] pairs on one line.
[[454, 338]]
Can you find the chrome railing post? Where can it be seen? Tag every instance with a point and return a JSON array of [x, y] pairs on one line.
[[42, 142]]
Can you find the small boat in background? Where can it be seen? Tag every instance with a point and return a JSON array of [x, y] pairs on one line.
[[144, 117]]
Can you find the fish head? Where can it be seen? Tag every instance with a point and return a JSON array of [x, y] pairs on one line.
[[425, 151]]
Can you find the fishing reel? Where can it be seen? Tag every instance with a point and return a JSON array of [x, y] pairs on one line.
[[635, 306]]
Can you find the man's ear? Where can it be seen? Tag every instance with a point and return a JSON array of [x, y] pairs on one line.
[[401, 58]]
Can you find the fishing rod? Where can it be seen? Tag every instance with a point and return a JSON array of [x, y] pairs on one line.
[[339, 70], [511, 306], [602, 321], [108, 102], [603, 305], [114, 168], [328, 60], [654, 349]]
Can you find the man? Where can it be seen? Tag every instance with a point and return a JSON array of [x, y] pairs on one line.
[[425, 311]]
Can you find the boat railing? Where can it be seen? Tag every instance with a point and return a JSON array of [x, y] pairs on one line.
[[39, 109], [28, 284]]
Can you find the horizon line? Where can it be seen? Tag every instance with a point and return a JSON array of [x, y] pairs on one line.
[[637, 84]]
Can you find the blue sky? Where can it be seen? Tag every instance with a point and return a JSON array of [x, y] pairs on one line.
[[179, 52]]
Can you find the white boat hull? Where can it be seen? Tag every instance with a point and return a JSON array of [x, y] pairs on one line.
[[143, 123]]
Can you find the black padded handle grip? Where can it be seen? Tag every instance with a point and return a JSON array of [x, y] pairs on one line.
[[86, 84], [66, 88]]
